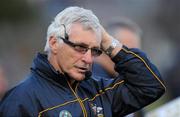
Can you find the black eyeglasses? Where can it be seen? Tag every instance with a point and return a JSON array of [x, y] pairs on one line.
[[79, 47], [82, 48]]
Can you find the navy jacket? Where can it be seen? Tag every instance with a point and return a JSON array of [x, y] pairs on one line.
[[47, 93]]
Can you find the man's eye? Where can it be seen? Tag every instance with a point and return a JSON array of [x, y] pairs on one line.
[[96, 51]]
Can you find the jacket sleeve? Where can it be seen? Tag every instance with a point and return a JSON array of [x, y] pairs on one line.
[[142, 83]]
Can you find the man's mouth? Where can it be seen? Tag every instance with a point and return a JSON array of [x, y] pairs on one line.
[[82, 69]]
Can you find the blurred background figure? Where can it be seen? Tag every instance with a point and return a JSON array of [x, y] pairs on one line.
[[173, 78], [3, 83], [129, 34]]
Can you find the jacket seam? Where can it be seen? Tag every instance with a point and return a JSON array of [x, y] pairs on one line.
[[54, 107], [76, 100], [102, 92], [146, 65]]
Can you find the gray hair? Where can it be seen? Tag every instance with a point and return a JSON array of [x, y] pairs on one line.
[[69, 16]]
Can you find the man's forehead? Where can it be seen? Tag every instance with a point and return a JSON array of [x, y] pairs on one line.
[[76, 27], [81, 41], [81, 35]]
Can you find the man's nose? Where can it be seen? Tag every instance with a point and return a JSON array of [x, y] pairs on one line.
[[87, 57]]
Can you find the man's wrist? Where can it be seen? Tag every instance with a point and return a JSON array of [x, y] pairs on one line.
[[113, 48]]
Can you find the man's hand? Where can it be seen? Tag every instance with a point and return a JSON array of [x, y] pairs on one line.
[[107, 41]]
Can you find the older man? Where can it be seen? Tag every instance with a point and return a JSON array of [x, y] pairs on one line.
[[60, 82]]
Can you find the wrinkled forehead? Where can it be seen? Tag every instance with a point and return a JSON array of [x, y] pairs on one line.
[[80, 33]]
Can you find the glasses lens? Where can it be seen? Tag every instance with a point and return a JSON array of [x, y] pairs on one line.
[[81, 49], [96, 52]]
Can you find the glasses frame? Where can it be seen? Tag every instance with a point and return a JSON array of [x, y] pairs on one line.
[[78, 47], [81, 48]]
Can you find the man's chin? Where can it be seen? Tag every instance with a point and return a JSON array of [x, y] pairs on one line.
[[78, 77]]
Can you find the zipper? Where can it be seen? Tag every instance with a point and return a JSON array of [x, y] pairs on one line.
[[79, 100]]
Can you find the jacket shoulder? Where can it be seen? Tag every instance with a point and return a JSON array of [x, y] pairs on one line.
[[20, 99]]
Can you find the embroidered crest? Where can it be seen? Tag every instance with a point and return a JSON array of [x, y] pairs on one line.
[[98, 111], [65, 113]]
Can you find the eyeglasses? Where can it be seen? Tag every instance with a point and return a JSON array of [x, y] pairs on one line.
[[82, 48]]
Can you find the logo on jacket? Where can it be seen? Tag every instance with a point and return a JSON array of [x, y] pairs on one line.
[[97, 111], [65, 113]]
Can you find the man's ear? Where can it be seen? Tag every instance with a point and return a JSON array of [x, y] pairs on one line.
[[53, 44]]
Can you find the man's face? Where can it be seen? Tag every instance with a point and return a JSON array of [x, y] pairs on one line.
[[72, 62], [128, 38]]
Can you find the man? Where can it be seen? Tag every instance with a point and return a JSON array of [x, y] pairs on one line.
[[126, 32], [60, 84]]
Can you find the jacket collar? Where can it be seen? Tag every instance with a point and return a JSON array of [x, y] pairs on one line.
[[42, 67]]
